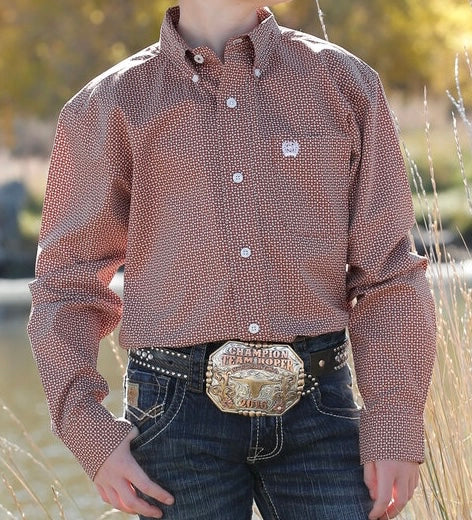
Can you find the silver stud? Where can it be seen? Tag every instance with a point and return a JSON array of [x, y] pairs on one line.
[[321, 363]]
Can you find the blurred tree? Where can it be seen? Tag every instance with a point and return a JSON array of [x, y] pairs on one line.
[[410, 43], [49, 49]]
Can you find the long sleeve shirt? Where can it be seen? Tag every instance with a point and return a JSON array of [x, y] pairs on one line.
[[257, 198]]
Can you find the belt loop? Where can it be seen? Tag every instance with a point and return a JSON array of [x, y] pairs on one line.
[[197, 368]]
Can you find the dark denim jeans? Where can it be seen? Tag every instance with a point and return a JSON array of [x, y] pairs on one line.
[[304, 464]]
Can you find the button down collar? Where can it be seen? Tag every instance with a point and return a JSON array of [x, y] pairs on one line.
[[264, 37]]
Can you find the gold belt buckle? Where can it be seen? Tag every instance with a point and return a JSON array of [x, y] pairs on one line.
[[254, 379]]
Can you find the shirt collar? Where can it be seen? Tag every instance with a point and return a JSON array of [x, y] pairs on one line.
[[264, 37]]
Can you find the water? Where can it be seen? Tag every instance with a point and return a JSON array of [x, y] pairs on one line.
[[21, 392], [26, 487]]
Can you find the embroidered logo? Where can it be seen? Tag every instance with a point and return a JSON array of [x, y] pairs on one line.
[[290, 148]]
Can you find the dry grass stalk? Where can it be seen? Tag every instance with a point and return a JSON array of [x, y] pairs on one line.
[[117, 352], [11, 491], [321, 18], [24, 432], [58, 503], [8, 514], [11, 465], [446, 491]]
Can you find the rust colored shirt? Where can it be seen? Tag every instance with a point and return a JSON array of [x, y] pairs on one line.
[[256, 199]]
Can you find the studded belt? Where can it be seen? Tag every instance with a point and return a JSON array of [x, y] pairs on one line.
[[249, 378]]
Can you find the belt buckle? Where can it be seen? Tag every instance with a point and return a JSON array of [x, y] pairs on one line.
[[254, 379]]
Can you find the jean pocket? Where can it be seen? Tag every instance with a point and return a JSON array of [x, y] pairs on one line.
[[152, 402], [334, 395], [146, 395]]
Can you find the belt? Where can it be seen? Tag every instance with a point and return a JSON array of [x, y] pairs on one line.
[[181, 363]]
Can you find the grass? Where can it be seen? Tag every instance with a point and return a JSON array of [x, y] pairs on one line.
[[446, 477], [445, 490]]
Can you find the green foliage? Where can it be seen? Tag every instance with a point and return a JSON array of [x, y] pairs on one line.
[[49, 50], [411, 43]]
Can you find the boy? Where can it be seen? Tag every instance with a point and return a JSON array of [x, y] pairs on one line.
[[249, 178]]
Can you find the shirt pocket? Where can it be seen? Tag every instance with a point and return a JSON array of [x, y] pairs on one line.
[[310, 175]]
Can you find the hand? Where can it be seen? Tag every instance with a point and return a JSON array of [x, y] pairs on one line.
[[391, 485], [118, 477]]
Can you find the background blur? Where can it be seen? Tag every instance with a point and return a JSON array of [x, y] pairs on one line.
[[50, 49]]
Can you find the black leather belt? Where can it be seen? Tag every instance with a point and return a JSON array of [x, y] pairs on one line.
[[178, 362]]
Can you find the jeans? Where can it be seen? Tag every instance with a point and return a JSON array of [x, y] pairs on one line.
[[303, 464]]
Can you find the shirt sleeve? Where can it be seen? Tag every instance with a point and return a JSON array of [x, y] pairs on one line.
[[82, 243], [392, 320]]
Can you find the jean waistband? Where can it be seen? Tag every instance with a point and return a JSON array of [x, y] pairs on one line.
[[190, 363]]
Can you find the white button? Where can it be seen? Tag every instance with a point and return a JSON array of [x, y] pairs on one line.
[[231, 102], [238, 177], [254, 328], [195, 78], [237, 41], [257, 73], [199, 58], [246, 252]]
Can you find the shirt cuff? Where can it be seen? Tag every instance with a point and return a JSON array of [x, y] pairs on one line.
[[93, 436], [392, 437]]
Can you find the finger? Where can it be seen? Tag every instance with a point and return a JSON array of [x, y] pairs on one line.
[[370, 479], [384, 495], [401, 496], [140, 480], [131, 503], [117, 503]]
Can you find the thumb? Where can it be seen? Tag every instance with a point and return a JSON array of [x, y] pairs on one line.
[[132, 434]]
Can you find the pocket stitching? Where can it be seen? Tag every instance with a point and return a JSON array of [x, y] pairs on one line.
[[138, 441], [331, 411], [156, 410]]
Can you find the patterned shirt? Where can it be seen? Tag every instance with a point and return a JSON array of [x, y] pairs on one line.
[[259, 198]]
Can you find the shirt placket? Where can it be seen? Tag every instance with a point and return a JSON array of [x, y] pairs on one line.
[[235, 121]]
